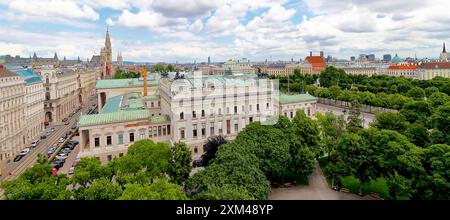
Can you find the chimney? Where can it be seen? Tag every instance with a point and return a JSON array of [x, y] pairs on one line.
[[321, 54], [310, 53]]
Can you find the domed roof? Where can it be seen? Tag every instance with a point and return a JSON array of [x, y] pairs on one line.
[[396, 59]]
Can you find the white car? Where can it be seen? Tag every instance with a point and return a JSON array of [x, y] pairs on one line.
[[24, 151], [61, 156], [34, 144], [53, 129], [71, 170], [61, 140]]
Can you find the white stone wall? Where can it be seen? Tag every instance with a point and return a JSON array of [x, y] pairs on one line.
[[34, 99]]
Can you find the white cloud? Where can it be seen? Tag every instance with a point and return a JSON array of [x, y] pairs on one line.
[[54, 8], [110, 22], [148, 19], [197, 26], [184, 8]]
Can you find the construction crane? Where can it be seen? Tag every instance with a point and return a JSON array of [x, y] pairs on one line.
[[144, 75]]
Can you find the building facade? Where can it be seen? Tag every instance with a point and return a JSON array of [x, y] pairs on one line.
[[12, 114], [188, 110], [61, 93], [86, 83]]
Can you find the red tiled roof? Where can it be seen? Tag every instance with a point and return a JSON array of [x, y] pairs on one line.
[[436, 65], [403, 67], [5, 73], [316, 61]]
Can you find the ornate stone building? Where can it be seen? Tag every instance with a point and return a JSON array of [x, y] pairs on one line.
[[106, 67], [12, 114], [444, 55]]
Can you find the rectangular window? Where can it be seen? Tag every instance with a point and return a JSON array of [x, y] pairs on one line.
[[292, 114], [152, 105], [257, 107], [193, 114], [97, 142], [236, 127], [142, 136], [243, 108], [228, 110], [309, 112], [228, 127], [235, 109], [203, 130], [164, 131], [267, 105], [220, 111], [168, 129], [194, 131], [108, 140], [203, 113], [150, 134], [159, 131], [120, 139], [211, 128], [250, 119], [250, 107], [182, 134], [131, 137], [109, 157], [121, 155]]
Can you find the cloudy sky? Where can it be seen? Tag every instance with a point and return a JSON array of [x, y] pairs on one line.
[[187, 30]]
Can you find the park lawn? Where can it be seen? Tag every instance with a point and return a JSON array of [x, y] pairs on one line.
[[378, 186]]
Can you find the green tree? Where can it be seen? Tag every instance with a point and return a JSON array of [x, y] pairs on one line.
[[418, 134], [102, 189], [416, 93], [441, 121], [416, 111], [354, 122], [170, 68], [210, 148], [399, 187], [161, 189], [430, 90], [180, 165], [391, 121], [159, 68], [358, 158], [438, 98], [87, 170], [307, 130]]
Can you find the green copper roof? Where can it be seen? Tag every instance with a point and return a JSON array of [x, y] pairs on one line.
[[151, 97], [132, 101], [122, 83], [114, 117], [112, 105], [159, 118], [287, 98]]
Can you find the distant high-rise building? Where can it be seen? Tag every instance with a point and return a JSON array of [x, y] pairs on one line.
[[329, 59], [119, 59], [387, 58], [352, 58], [209, 60], [370, 57]]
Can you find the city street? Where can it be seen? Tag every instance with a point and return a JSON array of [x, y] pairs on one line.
[[16, 168]]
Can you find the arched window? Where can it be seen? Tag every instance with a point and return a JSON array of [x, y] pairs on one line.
[[181, 116]]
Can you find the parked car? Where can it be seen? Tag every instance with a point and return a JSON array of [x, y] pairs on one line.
[[197, 163], [25, 151], [74, 126], [52, 129], [43, 136], [65, 119], [18, 158], [61, 156], [74, 142], [61, 140], [69, 132], [57, 163], [71, 170], [67, 123], [65, 150], [34, 144]]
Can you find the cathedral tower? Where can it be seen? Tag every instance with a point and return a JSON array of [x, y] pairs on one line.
[[106, 68]]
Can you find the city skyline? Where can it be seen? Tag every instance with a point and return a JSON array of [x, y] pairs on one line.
[[184, 31]]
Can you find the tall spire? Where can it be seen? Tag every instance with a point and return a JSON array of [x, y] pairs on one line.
[[108, 40], [55, 57], [443, 48]]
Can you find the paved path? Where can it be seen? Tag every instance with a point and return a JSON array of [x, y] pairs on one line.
[[316, 190], [367, 118]]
